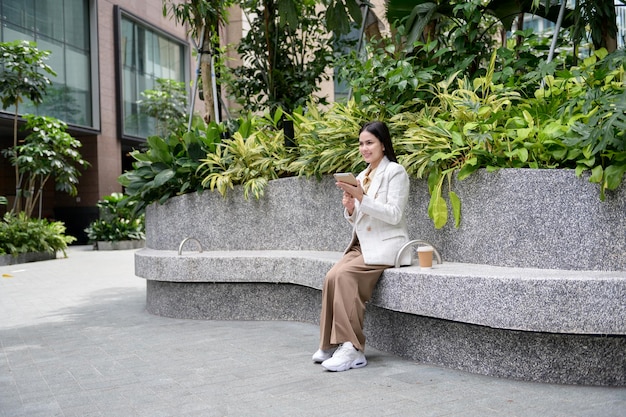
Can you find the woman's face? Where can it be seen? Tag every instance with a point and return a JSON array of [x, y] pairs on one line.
[[371, 148]]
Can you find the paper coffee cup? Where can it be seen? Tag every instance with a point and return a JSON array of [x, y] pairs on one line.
[[425, 255]]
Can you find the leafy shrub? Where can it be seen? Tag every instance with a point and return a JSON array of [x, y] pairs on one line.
[[255, 154], [390, 79], [592, 101], [21, 234], [167, 167], [577, 121], [118, 221], [546, 118], [327, 142]]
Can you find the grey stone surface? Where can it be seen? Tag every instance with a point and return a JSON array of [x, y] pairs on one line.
[[538, 219], [120, 245], [533, 356], [294, 214], [306, 268], [233, 301], [512, 217], [540, 300]]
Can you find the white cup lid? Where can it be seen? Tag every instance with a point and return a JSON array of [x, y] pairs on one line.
[[425, 249]]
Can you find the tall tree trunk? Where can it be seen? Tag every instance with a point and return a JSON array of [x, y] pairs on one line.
[[608, 41], [206, 71], [269, 16], [17, 203], [605, 21], [520, 26]]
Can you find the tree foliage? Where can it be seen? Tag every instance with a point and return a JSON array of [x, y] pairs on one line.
[[285, 55], [203, 18], [427, 19], [48, 152], [23, 74], [167, 166]]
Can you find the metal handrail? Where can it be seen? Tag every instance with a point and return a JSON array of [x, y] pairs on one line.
[[180, 247], [415, 242]]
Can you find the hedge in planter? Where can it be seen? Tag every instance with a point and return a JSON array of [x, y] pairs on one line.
[[20, 235], [118, 221]]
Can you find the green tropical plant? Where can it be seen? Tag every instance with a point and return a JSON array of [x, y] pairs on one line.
[[47, 153], [463, 30], [398, 77], [524, 53], [577, 121], [118, 220], [341, 15], [254, 155], [390, 79], [23, 74], [167, 167], [328, 142], [593, 100], [21, 234]]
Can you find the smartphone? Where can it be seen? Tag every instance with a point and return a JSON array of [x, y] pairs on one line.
[[346, 177]]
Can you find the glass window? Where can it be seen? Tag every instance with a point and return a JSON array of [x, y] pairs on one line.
[[20, 13], [63, 28], [146, 55], [49, 19], [77, 12]]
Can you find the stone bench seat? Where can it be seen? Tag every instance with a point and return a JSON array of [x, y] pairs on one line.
[[540, 300], [546, 325]]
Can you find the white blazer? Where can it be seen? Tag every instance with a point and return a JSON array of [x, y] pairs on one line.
[[379, 220]]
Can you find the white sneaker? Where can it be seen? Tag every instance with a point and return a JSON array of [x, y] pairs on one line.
[[321, 355], [344, 358]]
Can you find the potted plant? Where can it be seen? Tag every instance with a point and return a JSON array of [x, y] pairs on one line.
[[118, 226]]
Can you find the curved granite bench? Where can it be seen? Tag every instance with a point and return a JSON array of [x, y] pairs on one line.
[[265, 260]]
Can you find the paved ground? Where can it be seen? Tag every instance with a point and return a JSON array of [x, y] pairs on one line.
[[75, 340]]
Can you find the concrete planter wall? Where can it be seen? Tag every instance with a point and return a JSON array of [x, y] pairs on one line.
[[26, 257], [513, 217], [120, 245]]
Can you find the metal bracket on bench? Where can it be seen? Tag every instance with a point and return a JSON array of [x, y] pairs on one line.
[[415, 242], [180, 247]]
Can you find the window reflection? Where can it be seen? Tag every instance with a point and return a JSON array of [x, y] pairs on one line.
[[61, 27], [145, 56]]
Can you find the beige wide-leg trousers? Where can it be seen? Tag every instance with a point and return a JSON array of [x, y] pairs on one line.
[[347, 287]]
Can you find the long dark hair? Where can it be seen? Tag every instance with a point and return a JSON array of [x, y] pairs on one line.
[[381, 131]]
